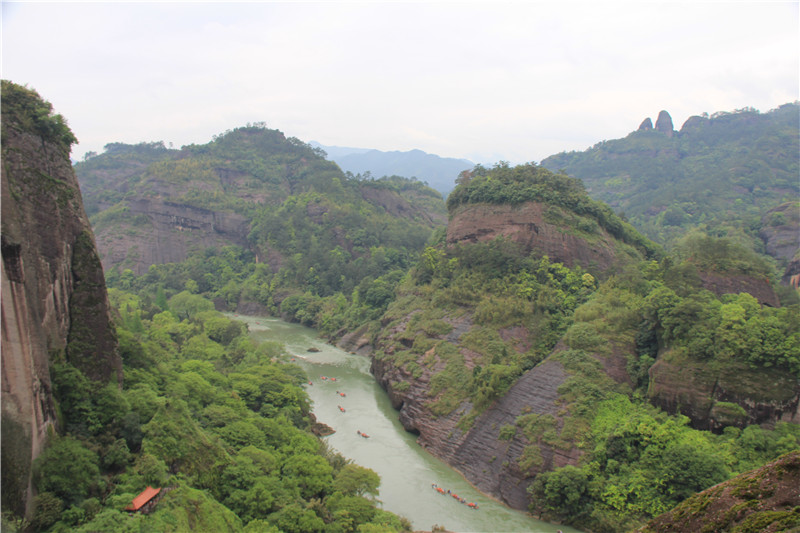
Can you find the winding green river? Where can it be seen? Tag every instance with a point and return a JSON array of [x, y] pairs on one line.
[[347, 398]]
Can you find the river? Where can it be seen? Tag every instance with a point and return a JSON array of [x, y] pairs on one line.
[[349, 400]]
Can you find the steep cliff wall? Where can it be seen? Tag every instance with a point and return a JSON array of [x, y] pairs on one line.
[[540, 228], [491, 463], [156, 231], [54, 302], [734, 395], [759, 287], [780, 231]]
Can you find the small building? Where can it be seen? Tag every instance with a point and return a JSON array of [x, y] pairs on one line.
[[145, 501]]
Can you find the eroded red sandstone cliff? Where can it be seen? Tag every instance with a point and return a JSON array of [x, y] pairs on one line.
[[54, 303], [528, 226]]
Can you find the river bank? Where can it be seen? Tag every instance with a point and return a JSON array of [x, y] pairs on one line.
[[347, 398]]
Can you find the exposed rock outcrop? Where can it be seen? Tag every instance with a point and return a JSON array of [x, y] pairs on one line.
[[734, 396], [765, 500], [398, 206], [791, 275], [357, 341], [646, 125], [694, 124], [54, 304], [495, 464], [760, 288], [664, 124], [527, 225], [780, 231], [165, 232]]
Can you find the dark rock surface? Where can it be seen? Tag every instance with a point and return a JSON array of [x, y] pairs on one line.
[[165, 232], [664, 124], [54, 304], [526, 225], [491, 464], [721, 284], [487, 461], [780, 231], [696, 390], [792, 274]]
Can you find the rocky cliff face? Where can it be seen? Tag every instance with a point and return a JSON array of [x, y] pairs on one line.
[[541, 229], [664, 124], [497, 464], [792, 274], [158, 231], [734, 396], [488, 462], [765, 499], [760, 288], [54, 302], [780, 231]]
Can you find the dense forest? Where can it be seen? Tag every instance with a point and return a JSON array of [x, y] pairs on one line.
[[222, 424], [265, 224]]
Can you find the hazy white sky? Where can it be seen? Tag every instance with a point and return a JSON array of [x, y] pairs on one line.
[[486, 81]]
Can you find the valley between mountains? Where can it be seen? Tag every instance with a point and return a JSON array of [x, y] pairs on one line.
[[609, 339]]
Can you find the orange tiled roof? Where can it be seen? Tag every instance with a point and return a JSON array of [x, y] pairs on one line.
[[147, 494]]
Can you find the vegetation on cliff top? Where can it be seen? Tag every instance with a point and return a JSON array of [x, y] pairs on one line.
[[24, 109], [503, 184]]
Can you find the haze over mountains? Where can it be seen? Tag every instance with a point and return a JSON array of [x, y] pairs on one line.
[[438, 172]]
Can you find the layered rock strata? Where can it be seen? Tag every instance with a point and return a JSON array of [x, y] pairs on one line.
[[528, 225], [166, 232], [734, 396]]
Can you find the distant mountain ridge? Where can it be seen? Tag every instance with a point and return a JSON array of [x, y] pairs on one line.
[[439, 173], [720, 173]]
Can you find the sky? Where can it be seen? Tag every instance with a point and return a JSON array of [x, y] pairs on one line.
[[485, 81]]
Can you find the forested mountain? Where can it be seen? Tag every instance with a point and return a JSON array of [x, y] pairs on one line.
[[563, 361], [565, 364], [720, 173], [171, 394], [438, 172], [255, 219]]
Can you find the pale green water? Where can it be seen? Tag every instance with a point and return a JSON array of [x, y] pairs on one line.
[[406, 470]]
